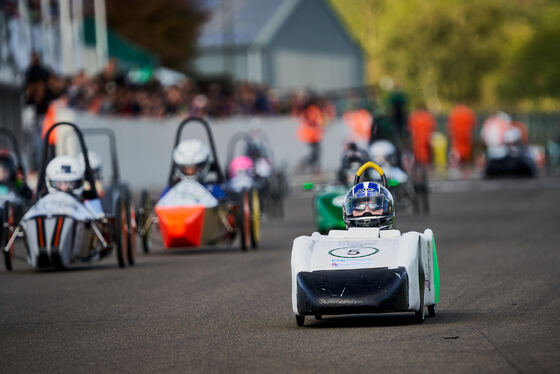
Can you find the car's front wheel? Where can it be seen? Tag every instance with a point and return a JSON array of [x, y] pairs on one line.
[[432, 310], [7, 223]]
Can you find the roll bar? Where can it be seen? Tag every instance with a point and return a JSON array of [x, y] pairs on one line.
[[12, 138], [41, 185], [235, 138], [110, 134], [370, 165], [215, 165]]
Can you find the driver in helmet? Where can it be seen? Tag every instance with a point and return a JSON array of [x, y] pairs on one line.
[[65, 174], [369, 204], [192, 161], [12, 177], [7, 169], [352, 158]]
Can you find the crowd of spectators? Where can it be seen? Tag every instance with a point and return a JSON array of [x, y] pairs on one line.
[[111, 93]]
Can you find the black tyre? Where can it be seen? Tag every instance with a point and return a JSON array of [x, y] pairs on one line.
[[6, 227], [255, 218], [143, 213], [120, 232], [300, 320], [318, 317], [131, 230], [420, 316], [245, 220], [432, 310]]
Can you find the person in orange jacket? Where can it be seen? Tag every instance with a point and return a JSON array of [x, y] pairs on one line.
[[310, 131], [421, 125], [359, 123], [460, 126]]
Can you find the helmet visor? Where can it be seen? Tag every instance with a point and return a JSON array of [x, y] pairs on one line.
[[193, 170], [377, 205], [66, 186]]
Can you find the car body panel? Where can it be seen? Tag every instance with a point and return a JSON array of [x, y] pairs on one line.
[[328, 207], [346, 260], [190, 216], [57, 228]]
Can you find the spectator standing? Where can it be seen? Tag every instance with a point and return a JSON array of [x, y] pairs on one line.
[[460, 126], [38, 98], [310, 132], [398, 101], [359, 126], [421, 125]]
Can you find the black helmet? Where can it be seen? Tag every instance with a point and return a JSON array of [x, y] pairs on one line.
[[7, 168], [352, 158]]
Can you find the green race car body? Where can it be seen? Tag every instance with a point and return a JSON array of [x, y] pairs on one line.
[[328, 208]]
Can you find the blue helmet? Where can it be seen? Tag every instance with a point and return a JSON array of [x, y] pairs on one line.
[[369, 204]]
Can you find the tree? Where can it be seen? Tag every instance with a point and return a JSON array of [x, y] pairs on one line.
[[531, 68], [169, 28], [443, 49], [484, 52]]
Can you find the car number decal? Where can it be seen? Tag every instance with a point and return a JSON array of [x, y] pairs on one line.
[[353, 252]]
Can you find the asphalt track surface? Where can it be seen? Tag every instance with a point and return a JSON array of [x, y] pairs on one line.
[[221, 310]]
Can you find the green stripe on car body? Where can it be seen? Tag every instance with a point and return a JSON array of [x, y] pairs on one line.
[[436, 271]]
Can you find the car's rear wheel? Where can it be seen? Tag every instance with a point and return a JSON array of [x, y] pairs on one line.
[[245, 220], [255, 219], [143, 213], [120, 232], [7, 225], [300, 320], [131, 231]]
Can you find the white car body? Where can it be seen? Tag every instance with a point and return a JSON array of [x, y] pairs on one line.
[[364, 270], [57, 229]]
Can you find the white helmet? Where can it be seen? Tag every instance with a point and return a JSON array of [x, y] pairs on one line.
[[383, 152], [64, 173], [95, 162], [192, 159]]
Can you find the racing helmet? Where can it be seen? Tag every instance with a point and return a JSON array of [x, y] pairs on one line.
[[7, 168], [192, 159], [239, 165], [253, 149], [383, 152], [369, 204], [66, 174], [95, 164]]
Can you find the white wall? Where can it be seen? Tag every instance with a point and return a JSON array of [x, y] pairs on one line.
[[144, 146]]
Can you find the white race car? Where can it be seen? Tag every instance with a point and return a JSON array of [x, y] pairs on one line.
[[61, 229], [364, 270]]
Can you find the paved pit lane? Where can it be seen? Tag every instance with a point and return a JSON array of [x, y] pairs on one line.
[[222, 310]]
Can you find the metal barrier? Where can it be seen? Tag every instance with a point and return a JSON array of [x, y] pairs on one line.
[[542, 126]]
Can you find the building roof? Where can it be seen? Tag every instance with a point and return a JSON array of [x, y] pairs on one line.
[[243, 22], [129, 54]]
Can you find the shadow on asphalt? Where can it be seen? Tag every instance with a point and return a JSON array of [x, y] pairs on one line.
[[197, 251], [381, 320], [73, 268]]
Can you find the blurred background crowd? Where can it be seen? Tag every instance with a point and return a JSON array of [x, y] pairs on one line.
[[111, 93], [408, 65]]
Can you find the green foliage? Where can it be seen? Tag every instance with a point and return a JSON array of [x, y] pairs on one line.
[[532, 69], [475, 51]]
